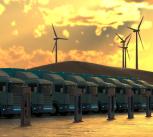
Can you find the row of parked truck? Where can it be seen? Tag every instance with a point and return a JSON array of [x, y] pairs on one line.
[[52, 92]]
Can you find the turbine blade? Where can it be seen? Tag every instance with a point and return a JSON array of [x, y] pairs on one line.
[[141, 40], [128, 41], [119, 36], [127, 37], [128, 53], [140, 23], [54, 46], [132, 28], [63, 38], [54, 30], [53, 49]]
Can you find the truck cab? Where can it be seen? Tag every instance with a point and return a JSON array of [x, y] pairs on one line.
[[41, 92], [63, 100], [10, 94], [102, 92], [120, 90], [149, 87], [139, 99], [89, 93]]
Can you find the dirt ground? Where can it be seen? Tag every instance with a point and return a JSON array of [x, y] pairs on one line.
[[92, 126]]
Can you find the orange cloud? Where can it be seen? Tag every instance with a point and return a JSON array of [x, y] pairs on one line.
[[149, 1], [81, 19], [145, 25], [18, 57], [99, 13], [66, 33], [39, 31]]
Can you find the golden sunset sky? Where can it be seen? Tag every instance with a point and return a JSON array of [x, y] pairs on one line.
[[26, 36]]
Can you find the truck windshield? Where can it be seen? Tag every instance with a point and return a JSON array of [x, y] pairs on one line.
[[120, 91], [101, 90], [91, 90], [45, 89], [15, 88], [2, 87], [69, 88], [59, 88], [137, 92], [33, 87], [83, 89]]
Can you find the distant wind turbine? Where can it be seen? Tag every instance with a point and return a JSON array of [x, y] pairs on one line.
[[124, 48], [127, 51], [138, 36], [56, 38]]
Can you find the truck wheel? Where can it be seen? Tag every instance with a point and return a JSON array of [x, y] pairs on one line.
[[99, 107], [9, 116], [38, 114], [64, 113]]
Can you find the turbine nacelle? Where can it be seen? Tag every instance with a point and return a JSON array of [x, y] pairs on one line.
[[125, 47], [136, 30], [133, 29], [123, 41]]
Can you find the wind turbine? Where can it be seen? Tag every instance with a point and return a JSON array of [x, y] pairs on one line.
[[56, 38], [138, 36], [124, 48]]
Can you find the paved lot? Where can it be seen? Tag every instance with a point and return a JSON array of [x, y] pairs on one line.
[[93, 126]]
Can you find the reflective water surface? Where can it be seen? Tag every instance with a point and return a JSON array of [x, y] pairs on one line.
[[93, 126]]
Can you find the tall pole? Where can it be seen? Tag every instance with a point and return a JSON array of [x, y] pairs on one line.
[[137, 50], [125, 58], [56, 53], [123, 66], [78, 109], [25, 106], [148, 106], [111, 103]]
